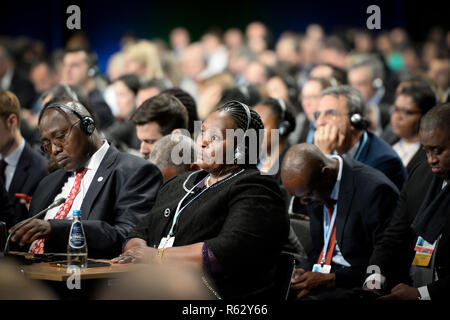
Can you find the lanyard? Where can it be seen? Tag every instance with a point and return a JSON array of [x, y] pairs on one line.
[[361, 147], [178, 210], [327, 232]]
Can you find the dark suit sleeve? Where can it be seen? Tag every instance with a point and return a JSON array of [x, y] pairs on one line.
[[256, 225], [136, 191], [438, 290], [394, 170], [378, 211], [392, 253], [6, 209]]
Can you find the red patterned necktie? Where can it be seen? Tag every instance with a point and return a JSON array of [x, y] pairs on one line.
[[63, 210], [332, 242]]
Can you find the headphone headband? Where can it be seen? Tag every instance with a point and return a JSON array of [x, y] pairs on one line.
[[87, 122]]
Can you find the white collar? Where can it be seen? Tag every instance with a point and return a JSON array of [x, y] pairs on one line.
[[14, 157], [97, 157], [335, 192]]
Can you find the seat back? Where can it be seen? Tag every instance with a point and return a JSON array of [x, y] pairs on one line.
[[3, 235], [283, 275], [302, 230]]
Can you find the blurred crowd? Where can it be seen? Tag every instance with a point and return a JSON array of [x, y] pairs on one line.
[[295, 82], [248, 66]]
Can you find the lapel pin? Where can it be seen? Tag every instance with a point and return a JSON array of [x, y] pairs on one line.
[[166, 212], [100, 179]]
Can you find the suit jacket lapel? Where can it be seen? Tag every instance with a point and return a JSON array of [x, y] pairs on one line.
[[365, 150], [54, 186], [344, 202], [99, 180], [21, 174]]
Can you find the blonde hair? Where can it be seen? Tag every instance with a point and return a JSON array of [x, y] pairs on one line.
[[146, 53]]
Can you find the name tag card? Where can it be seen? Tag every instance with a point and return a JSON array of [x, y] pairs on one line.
[[326, 268], [424, 251], [166, 242]]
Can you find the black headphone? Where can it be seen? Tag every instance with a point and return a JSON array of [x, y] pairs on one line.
[[93, 68], [358, 121], [377, 83], [87, 123], [240, 151], [284, 125]]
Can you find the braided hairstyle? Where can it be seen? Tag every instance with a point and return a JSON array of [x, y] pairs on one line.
[[237, 111]]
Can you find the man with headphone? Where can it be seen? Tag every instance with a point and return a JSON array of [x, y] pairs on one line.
[[113, 190], [341, 129], [79, 69], [367, 76]]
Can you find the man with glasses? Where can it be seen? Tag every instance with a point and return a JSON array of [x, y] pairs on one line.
[[341, 129], [21, 167], [114, 190]]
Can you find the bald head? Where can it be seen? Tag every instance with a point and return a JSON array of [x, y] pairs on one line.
[[308, 174]]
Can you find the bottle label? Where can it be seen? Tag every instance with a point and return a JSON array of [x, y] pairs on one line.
[[76, 239]]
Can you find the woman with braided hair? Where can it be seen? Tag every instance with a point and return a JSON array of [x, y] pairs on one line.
[[226, 219]]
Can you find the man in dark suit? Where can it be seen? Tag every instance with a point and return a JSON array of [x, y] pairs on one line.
[[114, 190], [355, 200], [79, 69], [13, 80], [21, 167], [421, 221], [341, 128]]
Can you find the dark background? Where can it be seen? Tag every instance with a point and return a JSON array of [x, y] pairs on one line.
[[105, 22]]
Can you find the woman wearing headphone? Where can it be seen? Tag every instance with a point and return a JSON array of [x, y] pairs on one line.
[[275, 115], [225, 219]]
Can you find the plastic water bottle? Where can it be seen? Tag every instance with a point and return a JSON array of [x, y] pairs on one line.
[[77, 247]]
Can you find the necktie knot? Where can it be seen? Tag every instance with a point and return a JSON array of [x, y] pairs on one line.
[[38, 246], [81, 172], [330, 203]]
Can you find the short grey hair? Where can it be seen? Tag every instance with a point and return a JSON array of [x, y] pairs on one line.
[[355, 101], [162, 157], [371, 61]]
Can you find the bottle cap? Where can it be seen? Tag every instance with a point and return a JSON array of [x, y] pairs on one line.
[[76, 213]]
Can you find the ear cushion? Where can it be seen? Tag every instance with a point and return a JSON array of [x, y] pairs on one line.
[[283, 128], [87, 125], [358, 121]]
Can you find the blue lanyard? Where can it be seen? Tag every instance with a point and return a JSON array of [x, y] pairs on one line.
[[327, 232], [361, 147], [178, 211]]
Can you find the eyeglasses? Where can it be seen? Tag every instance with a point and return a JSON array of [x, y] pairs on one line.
[[404, 112], [59, 140], [330, 113]]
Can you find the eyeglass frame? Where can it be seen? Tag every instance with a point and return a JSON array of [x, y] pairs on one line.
[[404, 111], [62, 140], [328, 113]]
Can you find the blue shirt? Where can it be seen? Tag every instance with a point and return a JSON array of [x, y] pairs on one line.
[[337, 258]]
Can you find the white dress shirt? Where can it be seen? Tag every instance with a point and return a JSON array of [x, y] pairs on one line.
[[406, 150], [337, 258], [92, 166]]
